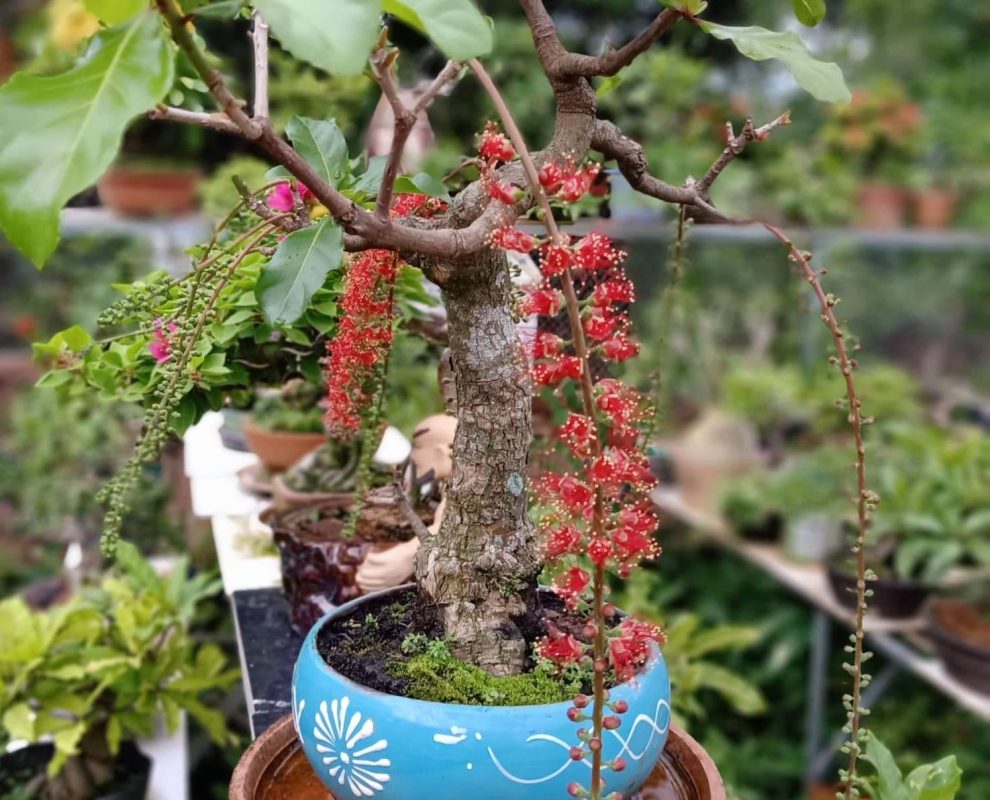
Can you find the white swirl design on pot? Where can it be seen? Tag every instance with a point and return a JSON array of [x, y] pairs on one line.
[[641, 719]]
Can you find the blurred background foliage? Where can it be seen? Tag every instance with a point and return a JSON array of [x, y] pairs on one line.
[[740, 332]]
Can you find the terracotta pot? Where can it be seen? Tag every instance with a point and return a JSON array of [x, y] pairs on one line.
[[319, 566], [934, 208], [962, 640], [279, 450], [882, 206], [286, 498], [892, 598], [140, 193], [275, 768]]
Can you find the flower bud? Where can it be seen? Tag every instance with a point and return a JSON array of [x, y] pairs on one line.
[[581, 701], [577, 753], [619, 764], [611, 723], [594, 744]]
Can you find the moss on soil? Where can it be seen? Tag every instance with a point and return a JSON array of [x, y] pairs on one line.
[[433, 673]]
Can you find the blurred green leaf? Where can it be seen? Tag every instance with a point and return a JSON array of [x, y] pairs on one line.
[[809, 12], [76, 120], [456, 27], [335, 35], [823, 80]]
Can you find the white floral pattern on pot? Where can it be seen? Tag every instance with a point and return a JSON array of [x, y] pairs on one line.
[[342, 742]]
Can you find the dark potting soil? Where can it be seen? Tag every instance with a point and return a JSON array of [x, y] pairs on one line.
[[366, 644]]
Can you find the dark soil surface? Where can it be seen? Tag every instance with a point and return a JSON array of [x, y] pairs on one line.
[[362, 645], [964, 621]]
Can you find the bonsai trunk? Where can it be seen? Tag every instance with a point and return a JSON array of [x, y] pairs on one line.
[[83, 774], [482, 565]]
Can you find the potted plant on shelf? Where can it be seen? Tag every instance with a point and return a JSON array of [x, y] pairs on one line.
[[79, 683], [935, 518], [485, 627], [960, 629], [879, 132], [285, 425], [159, 171]]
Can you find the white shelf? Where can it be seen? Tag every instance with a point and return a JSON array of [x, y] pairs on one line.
[[898, 640]]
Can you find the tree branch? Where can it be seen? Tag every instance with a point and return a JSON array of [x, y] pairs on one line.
[[405, 119], [736, 144], [628, 154], [216, 121], [578, 65], [259, 36]]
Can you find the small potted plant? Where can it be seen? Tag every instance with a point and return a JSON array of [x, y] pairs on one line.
[[960, 629], [285, 425], [158, 172], [810, 493], [878, 132], [934, 518], [81, 682]]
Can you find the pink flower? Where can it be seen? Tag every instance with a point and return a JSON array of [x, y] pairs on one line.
[[281, 199], [160, 345]]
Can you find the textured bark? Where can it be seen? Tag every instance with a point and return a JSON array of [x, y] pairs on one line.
[[481, 567]]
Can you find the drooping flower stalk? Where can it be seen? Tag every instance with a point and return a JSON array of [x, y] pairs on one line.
[[867, 501], [620, 527]]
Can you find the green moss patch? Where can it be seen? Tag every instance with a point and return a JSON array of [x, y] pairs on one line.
[[431, 672]]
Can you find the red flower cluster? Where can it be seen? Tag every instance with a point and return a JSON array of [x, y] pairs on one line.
[[363, 339], [494, 146], [364, 336], [629, 650], [598, 518], [568, 182]]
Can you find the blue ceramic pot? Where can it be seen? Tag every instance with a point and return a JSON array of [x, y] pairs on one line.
[[363, 743]]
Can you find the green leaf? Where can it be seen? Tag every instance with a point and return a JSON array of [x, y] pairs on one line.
[[114, 11], [321, 143], [823, 80], [423, 183], [692, 7], [225, 9], [890, 783], [809, 12], [62, 131], [609, 84], [298, 268], [371, 179], [743, 696], [939, 781], [335, 35], [722, 637], [456, 27]]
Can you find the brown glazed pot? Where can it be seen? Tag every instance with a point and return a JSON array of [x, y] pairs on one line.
[[882, 206], [141, 193], [892, 598], [275, 768], [286, 498], [962, 640], [319, 566], [279, 450]]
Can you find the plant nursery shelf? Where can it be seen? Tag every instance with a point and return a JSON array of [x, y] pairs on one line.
[[902, 641]]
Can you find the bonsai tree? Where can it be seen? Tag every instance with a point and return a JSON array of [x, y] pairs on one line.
[[481, 567]]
